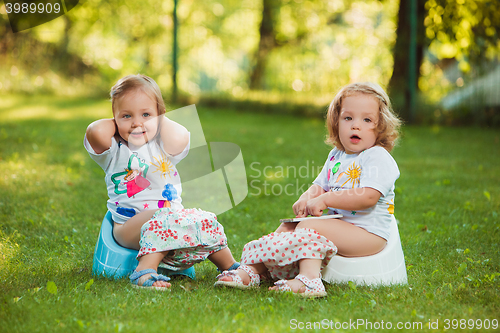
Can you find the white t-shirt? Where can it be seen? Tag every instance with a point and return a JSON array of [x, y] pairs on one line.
[[374, 168], [138, 180]]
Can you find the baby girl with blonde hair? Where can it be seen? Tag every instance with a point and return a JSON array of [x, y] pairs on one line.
[[357, 181]]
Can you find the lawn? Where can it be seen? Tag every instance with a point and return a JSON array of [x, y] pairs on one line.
[[52, 201]]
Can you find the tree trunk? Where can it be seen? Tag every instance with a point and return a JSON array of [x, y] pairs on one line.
[[267, 43], [398, 84]]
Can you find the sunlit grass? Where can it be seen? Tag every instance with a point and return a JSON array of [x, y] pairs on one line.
[[298, 103], [19, 107], [53, 199]]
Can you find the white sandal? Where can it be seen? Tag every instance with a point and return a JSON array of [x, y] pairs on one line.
[[314, 287], [237, 281]]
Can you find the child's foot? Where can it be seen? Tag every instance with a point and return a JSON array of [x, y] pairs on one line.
[[245, 278], [296, 286], [242, 278], [301, 286], [157, 283], [148, 278]]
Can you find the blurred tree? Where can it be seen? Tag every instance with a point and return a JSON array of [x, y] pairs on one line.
[[398, 85], [270, 36], [317, 46], [267, 41], [302, 48], [26, 56], [467, 31]]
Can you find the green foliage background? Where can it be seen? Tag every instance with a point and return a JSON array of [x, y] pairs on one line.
[[320, 46]]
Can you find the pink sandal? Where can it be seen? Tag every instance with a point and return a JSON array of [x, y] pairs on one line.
[[314, 287], [237, 282]]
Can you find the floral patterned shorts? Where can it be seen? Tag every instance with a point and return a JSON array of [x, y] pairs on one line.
[[281, 252], [190, 236]]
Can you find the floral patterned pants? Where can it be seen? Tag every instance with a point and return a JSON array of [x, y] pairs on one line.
[[190, 236]]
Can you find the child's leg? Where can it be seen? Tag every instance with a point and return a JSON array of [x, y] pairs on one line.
[[286, 227], [278, 255], [223, 259], [128, 234], [151, 261], [351, 241], [243, 271], [310, 268]]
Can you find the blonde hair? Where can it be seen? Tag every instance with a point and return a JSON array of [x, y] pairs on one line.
[[388, 123], [142, 82]]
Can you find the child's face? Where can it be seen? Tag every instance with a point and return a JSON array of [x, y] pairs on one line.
[[136, 116], [358, 122]]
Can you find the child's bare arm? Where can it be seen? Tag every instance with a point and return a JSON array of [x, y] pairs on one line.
[[100, 133], [352, 199], [175, 137]]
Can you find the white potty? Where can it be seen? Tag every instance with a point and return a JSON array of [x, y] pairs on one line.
[[384, 268]]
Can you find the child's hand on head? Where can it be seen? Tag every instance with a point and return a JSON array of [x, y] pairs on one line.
[[316, 206]]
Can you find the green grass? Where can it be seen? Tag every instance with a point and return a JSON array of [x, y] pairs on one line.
[[52, 201]]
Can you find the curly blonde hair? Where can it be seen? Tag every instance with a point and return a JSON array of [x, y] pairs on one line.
[[133, 82], [388, 123]]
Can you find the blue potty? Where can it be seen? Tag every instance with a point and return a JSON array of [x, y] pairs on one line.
[[114, 261]]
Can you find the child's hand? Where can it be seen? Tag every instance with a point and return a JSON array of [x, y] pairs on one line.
[[299, 208], [316, 206]]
